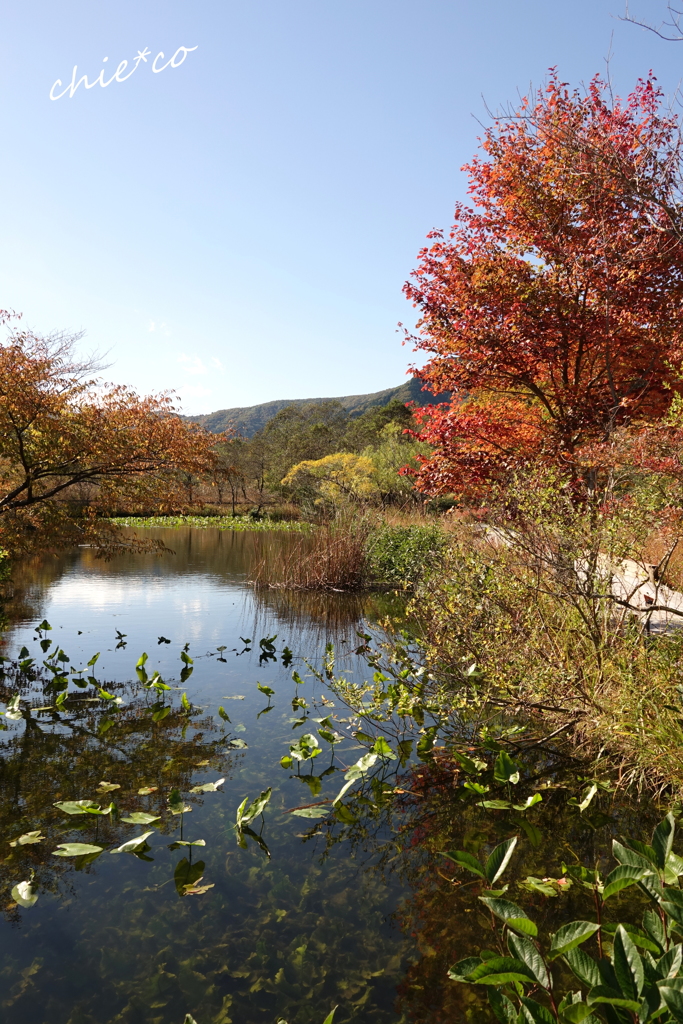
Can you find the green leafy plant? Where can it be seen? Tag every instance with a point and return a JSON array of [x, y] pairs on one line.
[[626, 974]]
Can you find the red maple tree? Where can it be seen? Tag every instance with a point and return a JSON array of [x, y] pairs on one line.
[[552, 310]]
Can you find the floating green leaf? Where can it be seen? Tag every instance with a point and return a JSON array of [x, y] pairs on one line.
[[82, 807], [472, 767], [311, 812], [330, 736], [223, 713], [529, 802], [105, 695], [207, 787], [140, 818], [28, 839], [135, 844], [76, 849]]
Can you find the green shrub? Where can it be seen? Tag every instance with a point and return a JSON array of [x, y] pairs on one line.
[[402, 554]]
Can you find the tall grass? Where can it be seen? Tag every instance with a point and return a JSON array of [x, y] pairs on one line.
[[333, 557]]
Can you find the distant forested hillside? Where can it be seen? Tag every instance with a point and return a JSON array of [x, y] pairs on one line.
[[249, 420]]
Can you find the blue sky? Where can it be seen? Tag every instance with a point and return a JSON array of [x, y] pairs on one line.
[[239, 228]]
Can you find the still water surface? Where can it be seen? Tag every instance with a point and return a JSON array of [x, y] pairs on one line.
[[358, 914], [287, 935]]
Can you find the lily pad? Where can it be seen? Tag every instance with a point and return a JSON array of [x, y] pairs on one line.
[[140, 818], [76, 849]]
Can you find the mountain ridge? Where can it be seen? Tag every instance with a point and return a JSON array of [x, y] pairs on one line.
[[248, 420]]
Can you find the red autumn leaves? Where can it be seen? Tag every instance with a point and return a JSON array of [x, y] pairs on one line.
[[553, 310]]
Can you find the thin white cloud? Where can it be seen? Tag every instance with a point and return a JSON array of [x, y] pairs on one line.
[[161, 328], [192, 364]]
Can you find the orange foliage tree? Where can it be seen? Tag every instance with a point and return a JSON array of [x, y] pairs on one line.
[[553, 310], [73, 450]]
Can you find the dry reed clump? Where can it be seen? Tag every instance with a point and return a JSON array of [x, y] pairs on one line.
[[333, 557]]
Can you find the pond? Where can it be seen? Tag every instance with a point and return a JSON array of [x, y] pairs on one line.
[[292, 914]]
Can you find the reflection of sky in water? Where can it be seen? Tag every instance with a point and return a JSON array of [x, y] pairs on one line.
[[194, 608], [195, 594]]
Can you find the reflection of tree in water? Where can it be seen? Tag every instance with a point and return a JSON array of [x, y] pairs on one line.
[[65, 755], [22, 596], [404, 835], [330, 616], [225, 554]]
